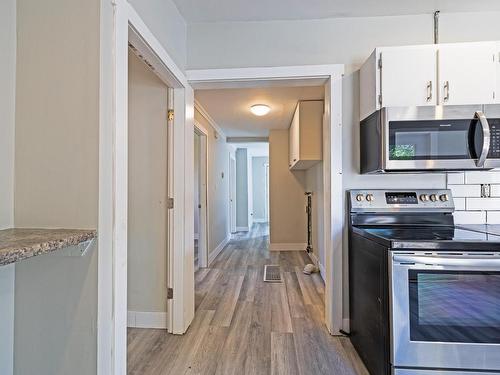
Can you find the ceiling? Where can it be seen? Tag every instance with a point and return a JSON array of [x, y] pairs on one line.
[[269, 10], [230, 108]]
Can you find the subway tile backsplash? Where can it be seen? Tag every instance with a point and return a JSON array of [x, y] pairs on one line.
[[472, 205]]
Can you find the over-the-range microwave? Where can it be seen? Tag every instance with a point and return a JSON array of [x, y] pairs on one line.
[[430, 139]]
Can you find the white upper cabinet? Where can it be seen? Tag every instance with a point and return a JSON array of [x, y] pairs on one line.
[[497, 61], [408, 76], [306, 135], [467, 73], [443, 74]]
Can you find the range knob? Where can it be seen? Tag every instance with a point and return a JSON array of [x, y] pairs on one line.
[[444, 198], [360, 197], [424, 197], [369, 197], [433, 197]]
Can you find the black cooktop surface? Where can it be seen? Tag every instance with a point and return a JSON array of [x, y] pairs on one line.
[[431, 237]]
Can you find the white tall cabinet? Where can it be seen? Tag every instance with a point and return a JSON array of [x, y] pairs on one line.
[[429, 75]]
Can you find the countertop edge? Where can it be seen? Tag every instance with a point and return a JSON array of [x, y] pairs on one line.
[[18, 253]]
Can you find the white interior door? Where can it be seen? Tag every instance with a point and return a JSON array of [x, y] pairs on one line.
[[408, 76], [203, 202], [467, 73], [232, 194]]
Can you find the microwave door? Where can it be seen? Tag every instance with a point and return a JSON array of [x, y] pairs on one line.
[[455, 144]]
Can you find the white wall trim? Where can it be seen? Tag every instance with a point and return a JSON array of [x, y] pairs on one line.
[[260, 220], [276, 246], [119, 23], [318, 264], [242, 229], [332, 161], [210, 120], [217, 250], [147, 319]]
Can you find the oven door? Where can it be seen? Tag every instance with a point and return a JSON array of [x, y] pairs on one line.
[[469, 141], [445, 311]]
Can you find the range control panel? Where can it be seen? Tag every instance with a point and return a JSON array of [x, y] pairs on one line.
[[494, 138], [401, 200]]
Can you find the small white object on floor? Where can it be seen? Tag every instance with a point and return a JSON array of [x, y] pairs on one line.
[[310, 268]]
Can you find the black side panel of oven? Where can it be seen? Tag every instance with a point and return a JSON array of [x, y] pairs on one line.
[[370, 144], [369, 303]]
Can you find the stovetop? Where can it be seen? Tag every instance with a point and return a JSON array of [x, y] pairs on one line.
[[416, 219], [431, 237]]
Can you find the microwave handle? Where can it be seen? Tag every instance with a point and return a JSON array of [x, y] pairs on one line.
[[486, 138], [448, 261]]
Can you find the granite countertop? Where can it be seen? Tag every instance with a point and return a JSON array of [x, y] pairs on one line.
[[17, 244]]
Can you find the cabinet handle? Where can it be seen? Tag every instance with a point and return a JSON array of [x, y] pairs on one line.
[[429, 91], [446, 91]]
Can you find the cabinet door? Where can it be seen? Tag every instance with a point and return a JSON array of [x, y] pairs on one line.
[[294, 135], [408, 76], [467, 73], [497, 63]]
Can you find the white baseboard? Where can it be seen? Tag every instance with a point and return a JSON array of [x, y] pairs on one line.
[[147, 319], [287, 246], [260, 220], [241, 229], [213, 254], [318, 264]]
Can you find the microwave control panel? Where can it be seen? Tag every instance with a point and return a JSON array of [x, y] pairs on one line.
[[494, 138]]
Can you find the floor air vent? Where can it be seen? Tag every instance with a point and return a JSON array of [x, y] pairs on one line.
[[272, 274]]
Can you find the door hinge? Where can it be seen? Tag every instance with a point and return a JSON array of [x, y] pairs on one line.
[[170, 115], [380, 99], [380, 62], [170, 293], [170, 203]]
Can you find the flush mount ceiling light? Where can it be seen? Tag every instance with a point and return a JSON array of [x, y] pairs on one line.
[[260, 109]]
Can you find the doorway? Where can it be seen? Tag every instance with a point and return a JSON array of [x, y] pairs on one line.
[[200, 198], [328, 179], [232, 193], [147, 281]]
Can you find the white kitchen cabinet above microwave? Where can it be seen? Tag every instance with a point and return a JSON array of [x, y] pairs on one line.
[[428, 75]]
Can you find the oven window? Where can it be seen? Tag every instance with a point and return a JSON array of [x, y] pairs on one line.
[[433, 140], [454, 306]]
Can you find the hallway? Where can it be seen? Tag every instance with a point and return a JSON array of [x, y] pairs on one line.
[[246, 326]]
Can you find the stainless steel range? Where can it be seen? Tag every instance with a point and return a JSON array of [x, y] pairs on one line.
[[424, 293]]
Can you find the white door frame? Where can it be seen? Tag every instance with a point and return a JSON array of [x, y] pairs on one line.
[[332, 160], [203, 186], [119, 24]]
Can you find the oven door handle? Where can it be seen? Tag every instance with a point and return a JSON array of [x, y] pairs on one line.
[[486, 138], [448, 261]]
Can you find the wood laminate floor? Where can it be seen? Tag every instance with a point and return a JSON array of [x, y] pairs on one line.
[[243, 325]]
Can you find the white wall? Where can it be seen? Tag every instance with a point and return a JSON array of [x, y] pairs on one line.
[[7, 110], [147, 181], [314, 184], [218, 186], [167, 24], [56, 182], [7, 131], [347, 41]]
